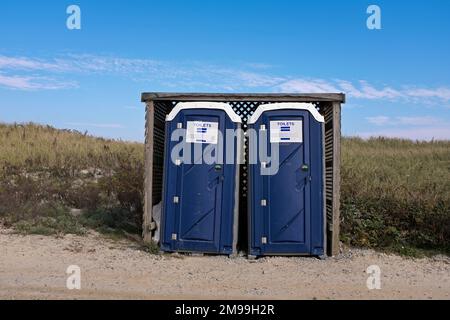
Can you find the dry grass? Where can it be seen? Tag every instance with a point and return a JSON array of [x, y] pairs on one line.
[[395, 193], [45, 172], [402, 169], [37, 147]]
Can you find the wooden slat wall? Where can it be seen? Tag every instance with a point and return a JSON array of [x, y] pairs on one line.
[[332, 113], [161, 110], [147, 223], [155, 117], [156, 112]]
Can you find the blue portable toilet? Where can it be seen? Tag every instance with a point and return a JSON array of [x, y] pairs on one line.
[[200, 185], [286, 195]]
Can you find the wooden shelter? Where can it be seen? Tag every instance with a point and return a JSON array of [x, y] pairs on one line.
[[158, 105]]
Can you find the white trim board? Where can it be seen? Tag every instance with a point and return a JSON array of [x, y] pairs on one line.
[[204, 105], [287, 105]]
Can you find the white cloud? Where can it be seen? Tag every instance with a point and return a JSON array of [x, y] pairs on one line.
[[441, 93], [425, 133], [259, 65], [79, 63], [364, 90], [24, 63], [379, 120], [418, 121], [252, 79], [307, 86], [34, 83], [404, 121], [368, 91], [53, 73]]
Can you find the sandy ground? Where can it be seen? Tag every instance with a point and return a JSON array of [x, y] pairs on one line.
[[34, 267]]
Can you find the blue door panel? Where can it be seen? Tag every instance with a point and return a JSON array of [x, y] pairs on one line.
[[287, 206], [289, 217], [197, 219]]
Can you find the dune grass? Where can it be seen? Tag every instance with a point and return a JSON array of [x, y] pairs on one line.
[[37, 147], [46, 173], [395, 193]]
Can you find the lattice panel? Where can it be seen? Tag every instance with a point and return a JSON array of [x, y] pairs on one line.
[[245, 111]]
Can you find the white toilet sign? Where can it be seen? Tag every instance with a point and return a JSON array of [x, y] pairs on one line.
[[202, 132], [286, 131]]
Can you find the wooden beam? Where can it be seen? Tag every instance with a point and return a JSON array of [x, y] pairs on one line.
[[224, 97], [336, 177], [147, 221]]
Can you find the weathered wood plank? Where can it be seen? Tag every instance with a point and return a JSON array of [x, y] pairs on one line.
[[252, 97], [336, 177], [148, 224]]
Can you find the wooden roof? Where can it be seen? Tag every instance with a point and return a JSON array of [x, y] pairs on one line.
[[272, 97]]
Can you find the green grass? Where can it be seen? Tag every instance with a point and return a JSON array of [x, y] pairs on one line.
[[114, 222], [395, 193], [151, 247], [45, 219]]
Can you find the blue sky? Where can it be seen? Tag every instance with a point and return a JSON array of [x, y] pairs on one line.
[[397, 79]]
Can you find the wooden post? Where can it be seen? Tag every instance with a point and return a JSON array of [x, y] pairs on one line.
[[148, 224], [336, 177]]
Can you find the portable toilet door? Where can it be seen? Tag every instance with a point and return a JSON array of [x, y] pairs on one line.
[[200, 186], [286, 199]]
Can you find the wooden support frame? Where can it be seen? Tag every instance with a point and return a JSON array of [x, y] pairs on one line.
[[335, 227], [148, 224], [249, 97], [158, 104]]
